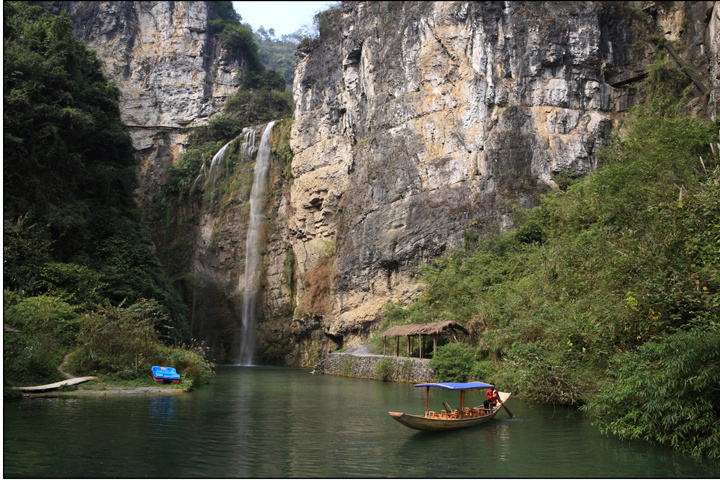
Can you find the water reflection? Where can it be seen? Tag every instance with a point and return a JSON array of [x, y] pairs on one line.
[[259, 422]]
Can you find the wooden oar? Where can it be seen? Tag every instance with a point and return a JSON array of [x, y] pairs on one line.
[[506, 409]]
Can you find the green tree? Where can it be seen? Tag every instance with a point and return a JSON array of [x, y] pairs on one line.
[[384, 369], [453, 362], [69, 172]]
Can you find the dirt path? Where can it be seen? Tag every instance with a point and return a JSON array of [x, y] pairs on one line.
[[62, 366], [362, 350]]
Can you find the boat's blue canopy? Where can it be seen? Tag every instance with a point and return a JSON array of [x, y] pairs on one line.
[[457, 386]]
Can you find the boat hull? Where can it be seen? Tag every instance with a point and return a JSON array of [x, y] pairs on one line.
[[439, 424], [419, 422]]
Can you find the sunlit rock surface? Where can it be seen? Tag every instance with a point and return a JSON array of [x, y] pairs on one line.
[[415, 121]]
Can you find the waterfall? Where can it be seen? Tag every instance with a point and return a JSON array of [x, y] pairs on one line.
[[252, 249], [202, 256]]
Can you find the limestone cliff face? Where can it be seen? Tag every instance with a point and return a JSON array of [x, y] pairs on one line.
[[169, 69], [415, 121]]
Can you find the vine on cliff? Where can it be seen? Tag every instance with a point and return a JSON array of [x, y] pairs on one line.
[[318, 282]]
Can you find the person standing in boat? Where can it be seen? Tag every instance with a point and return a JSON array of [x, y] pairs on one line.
[[488, 399]]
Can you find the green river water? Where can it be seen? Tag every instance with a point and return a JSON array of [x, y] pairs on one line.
[[262, 422]]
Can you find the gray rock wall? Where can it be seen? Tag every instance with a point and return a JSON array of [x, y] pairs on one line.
[[413, 370], [417, 120]]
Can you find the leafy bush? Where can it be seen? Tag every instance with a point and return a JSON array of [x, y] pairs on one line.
[[75, 283], [117, 340], [11, 394], [269, 79], [48, 329], [258, 106], [123, 343], [26, 247], [484, 371], [190, 364], [548, 374], [30, 359], [347, 365], [221, 126], [239, 39], [384, 369], [44, 315], [453, 362], [666, 392], [327, 22]]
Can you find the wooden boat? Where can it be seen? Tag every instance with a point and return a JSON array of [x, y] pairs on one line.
[[165, 375], [449, 419]]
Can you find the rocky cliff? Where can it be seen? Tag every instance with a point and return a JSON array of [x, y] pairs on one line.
[[418, 127]]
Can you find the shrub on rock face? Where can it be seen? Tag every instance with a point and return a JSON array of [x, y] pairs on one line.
[[453, 362], [385, 369]]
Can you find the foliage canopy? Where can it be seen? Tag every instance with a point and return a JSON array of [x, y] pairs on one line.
[[73, 237]]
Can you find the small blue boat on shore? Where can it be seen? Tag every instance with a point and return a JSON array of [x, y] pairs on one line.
[[165, 375]]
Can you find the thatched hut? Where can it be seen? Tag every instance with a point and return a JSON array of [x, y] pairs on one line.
[[432, 329]]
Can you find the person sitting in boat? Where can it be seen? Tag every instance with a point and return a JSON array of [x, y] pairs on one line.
[[495, 397]]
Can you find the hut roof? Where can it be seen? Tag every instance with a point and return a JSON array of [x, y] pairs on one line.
[[424, 329]]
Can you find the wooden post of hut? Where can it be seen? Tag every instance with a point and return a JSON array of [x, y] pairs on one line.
[[422, 339], [397, 346]]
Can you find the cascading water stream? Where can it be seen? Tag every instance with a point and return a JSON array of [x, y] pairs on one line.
[[252, 249], [247, 148]]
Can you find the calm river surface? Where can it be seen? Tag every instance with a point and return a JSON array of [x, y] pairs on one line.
[[261, 422]]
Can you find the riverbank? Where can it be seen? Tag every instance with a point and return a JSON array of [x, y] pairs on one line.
[[105, 389], [92, 386]]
